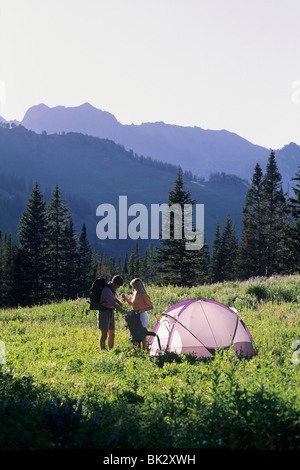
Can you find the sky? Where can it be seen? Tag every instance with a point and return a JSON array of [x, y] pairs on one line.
[[215, 64]]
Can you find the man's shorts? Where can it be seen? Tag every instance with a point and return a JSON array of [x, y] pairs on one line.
[[106, 319]]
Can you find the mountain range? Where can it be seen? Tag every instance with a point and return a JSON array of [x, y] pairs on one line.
[[198, 150], [91, 171], [94, 159]]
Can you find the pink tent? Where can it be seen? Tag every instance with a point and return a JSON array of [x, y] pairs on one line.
[[199, 327]]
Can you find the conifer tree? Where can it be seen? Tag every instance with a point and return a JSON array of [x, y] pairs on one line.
[[33, 250], [137, 266], [214, 267], [148, 264], [70, 274], [274, 211], [250, 258], [86, 264], [290, 243], [9, 293], [125, 268], [228, 250], [58, 215], [112, 266], [131, 265], [176, 264], [203, 275]]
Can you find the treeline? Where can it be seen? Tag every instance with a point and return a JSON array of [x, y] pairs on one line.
[[165, 166], [270, 241], [224, 178], [51, 262]]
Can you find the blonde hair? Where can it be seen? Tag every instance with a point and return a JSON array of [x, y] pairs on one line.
[[138, 285]]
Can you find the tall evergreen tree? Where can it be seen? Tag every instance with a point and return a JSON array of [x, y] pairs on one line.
[[177, 265], [125, 268], [148, 265], [290, 244], [214, 267], [131, 265], [58, 215], [250, 259], [137, 266], [33, 246], [86, 267], [70, 275], [203, 275], [228, 251], [9, 297], [274, 211]]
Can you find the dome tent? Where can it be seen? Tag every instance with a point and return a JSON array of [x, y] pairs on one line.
[[200, 327]]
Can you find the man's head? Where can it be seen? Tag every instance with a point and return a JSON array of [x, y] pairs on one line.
[[117, 281]]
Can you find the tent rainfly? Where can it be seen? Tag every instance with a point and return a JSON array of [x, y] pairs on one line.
[[200, 327]]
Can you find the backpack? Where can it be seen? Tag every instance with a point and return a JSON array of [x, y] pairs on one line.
[[137, 330], [95, 293]]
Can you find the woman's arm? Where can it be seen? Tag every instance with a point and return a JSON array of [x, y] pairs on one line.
[[126, 298]]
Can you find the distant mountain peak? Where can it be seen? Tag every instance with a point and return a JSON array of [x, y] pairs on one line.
[[193, 148]]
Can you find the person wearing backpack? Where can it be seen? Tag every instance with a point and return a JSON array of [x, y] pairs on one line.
[[106, 316]]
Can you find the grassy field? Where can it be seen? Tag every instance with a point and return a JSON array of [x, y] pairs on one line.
[[58, 391]]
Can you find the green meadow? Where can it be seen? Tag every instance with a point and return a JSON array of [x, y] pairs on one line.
[[59, 391]]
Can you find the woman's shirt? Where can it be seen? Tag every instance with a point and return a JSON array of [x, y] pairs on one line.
[[140, 301]]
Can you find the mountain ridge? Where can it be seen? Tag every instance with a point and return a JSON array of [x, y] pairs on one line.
[[198, 150], [94, 171]]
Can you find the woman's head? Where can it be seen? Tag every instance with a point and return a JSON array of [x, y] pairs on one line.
[[138, 285]]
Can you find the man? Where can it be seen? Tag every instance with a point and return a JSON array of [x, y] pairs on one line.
[[106, 316]]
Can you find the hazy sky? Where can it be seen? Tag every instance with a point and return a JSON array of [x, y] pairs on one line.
[[216, 64]]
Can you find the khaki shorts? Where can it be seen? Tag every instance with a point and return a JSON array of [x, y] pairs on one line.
[[106, 319]]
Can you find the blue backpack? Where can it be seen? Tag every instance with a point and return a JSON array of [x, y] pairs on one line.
[[137, 330]]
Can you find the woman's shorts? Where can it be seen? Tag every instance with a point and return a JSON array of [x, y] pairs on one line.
[[106, 319], [144, 319]]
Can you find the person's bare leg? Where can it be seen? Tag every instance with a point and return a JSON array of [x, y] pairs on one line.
[[103, 339], [111, 339]]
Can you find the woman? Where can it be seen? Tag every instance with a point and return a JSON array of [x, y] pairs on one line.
[[140, 301]]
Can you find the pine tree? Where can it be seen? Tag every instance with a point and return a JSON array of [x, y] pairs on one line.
[[58, 215], [137, 266], [274, 211], [33, 250], [203, 276], [214, 267], [177, 265], [70, 275], [9, 294], [9, 298], [125, 268], [86, 268], [251, 251], [290, 243], [228, 251], [131, 265], [148, 265]]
